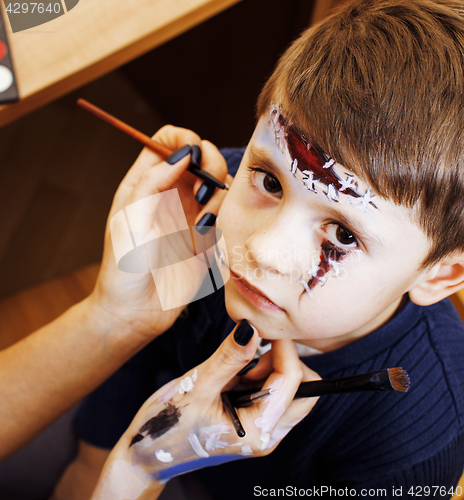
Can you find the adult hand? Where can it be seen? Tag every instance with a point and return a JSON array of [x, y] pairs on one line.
[[132, 298], [184, 426]]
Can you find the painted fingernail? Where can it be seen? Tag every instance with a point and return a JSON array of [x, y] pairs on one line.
[[195, 157], [204, 193], [205, 223], [248, 367], [243, 333], [179, 154]]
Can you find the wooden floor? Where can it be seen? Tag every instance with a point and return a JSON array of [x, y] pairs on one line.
[[28, 310]]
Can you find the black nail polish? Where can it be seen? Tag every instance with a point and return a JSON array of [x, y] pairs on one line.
[[243, 333], [248, 367], [179, 154], [195, 157], [205, 223], [204, 193]]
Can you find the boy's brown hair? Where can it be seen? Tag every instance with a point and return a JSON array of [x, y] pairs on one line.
[[379, 87]]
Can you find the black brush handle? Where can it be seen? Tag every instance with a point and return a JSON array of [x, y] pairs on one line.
[[373, 381]]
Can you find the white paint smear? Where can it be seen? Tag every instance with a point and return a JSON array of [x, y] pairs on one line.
[[212, 436], [265, 438], [197, 448], [246, 450], [186, 385], [274, 410], [163, 456]]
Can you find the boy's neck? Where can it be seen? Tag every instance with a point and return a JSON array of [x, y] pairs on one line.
[[332, 343]]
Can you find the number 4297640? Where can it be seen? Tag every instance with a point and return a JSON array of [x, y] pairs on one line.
[[32, 7]]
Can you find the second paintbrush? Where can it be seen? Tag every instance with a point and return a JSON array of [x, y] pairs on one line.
[[392, 379]]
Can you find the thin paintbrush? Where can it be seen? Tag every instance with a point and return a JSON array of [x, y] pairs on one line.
[[392, 379], [147, 141]]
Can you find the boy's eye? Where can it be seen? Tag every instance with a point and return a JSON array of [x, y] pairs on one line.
[[267, 180], [344, 236], [341, 235], [271, 184]]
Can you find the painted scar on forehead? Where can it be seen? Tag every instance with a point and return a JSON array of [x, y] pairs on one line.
[[159, 425], [314, 164]]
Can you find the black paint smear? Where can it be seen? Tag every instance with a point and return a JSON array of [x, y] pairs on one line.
[[159, 425], [328, 252], [136, 439]]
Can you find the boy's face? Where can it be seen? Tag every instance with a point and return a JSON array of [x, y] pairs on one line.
[[333, 260]]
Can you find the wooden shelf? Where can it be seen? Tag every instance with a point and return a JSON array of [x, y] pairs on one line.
[[92, 39]]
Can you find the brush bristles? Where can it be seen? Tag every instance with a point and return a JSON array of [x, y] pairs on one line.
[[399, 379]]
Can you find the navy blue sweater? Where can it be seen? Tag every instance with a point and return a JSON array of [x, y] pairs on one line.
[[364, 441]]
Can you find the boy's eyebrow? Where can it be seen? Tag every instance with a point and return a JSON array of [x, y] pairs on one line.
[[259, 156]]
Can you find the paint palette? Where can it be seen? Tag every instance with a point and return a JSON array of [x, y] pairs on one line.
[[8, 87]]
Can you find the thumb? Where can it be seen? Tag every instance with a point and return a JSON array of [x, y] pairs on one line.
[[233, 354]]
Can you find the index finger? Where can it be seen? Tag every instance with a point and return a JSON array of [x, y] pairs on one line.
[[169, 136], [284, 382], [212, 162]]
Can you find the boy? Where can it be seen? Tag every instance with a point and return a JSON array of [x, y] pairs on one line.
[[344, 231]]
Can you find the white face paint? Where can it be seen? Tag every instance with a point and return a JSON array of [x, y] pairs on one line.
[[196, 446], [320, 169], [212, 436], [163, 456], [246, 450], [187, 383], [274, 410]]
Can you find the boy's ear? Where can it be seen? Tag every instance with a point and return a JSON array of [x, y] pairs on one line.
[[442, 280]]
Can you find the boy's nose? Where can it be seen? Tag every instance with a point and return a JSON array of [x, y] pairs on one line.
[[281, 246]]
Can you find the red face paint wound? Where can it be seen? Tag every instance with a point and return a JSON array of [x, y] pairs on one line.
[[307, 158], [329, 253]]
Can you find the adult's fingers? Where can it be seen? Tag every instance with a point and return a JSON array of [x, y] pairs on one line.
[[232, 355], [262, 369], [159, 178], [214, 163], [296, 411], [214, 204], [270, 415], [173, 138]]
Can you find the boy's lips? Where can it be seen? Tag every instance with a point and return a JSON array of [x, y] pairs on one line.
[[253, 294]]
